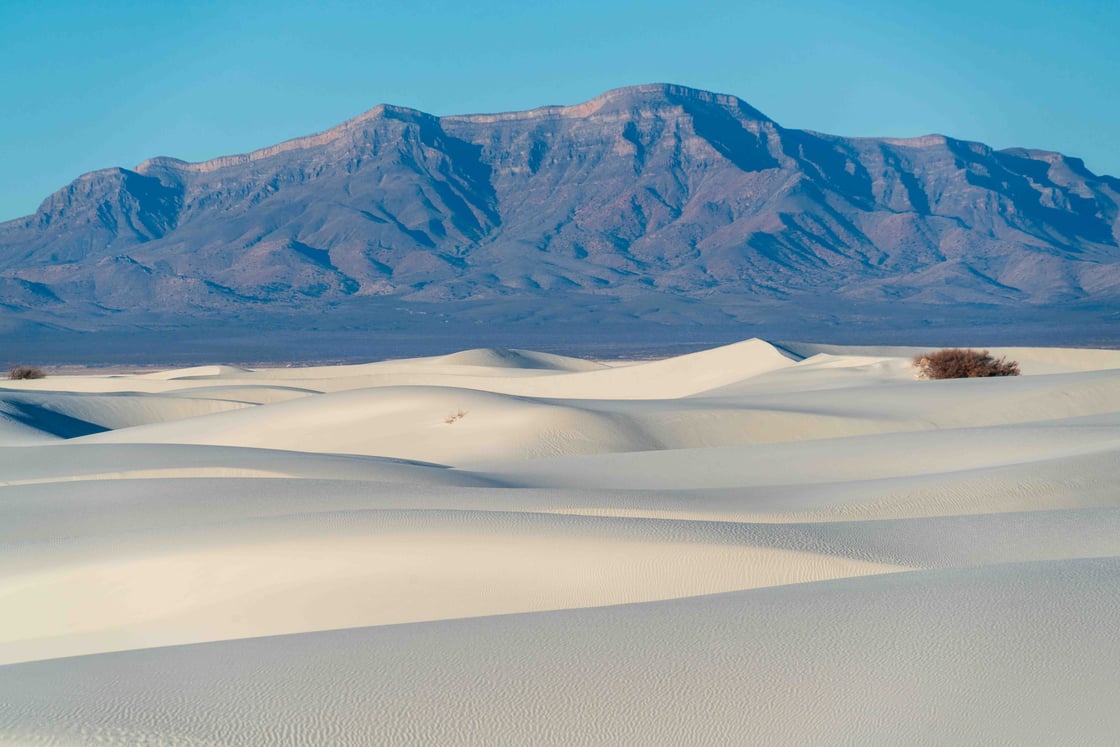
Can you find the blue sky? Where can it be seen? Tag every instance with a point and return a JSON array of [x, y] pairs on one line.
[[86, 87]]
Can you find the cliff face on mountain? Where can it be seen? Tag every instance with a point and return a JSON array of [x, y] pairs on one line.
[[645, 192]]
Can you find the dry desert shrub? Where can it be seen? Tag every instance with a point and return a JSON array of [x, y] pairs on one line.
[[25, 372], [955, 363]]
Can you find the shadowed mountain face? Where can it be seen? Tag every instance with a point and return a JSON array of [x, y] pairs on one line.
[[646, 200]]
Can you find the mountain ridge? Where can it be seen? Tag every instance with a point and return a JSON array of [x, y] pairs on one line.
[[647, 197]]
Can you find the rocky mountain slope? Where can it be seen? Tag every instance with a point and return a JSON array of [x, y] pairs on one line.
[[645, 200]]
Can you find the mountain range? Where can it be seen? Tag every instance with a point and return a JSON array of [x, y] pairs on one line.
[[656, 206]]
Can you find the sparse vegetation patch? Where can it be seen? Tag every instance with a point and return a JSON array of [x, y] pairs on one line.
[[25, 372], [958, 363]]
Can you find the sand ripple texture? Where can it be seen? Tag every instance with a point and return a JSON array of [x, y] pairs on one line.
[[748, 545]]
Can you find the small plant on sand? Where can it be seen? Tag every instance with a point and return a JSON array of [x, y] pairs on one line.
[[457, 415], [25, 372], [955, 363]]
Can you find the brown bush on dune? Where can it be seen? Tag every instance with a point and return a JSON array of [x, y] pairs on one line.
[[26, 372], [955, 363]]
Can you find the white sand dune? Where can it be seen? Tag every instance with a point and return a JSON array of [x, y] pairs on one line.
[[68, 461], [503, 372], [750, 544], [15, 430], [999, 654], [123, 591], [50, 410], [511, 359], [1032, 361], [439, 424]]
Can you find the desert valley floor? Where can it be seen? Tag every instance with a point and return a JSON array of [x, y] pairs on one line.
[[750, 544]]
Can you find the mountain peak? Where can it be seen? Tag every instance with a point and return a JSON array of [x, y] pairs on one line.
[[337, 132], [648, 94], [628, 97]]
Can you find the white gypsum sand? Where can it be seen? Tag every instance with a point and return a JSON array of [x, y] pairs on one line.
[[749, 544]]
